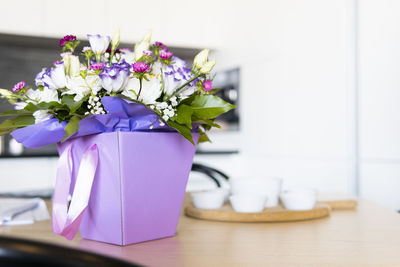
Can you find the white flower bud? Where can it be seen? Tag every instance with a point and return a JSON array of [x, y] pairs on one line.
[[98, 43], [200, 59], [142, 46], [5, 93], [207, 67], [72, 66], [115, 40]]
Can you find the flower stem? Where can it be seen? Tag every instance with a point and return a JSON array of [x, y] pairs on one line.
[[140, 89], [182, 86], [111, 56]]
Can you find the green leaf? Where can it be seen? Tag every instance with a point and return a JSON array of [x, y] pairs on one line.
[[214, 91], [17, 122], [72, 127], [210, 123], [209, 106], [73, 105], [13, 112], [187, 101], [31, 107], [182, 129], [204, 138], [6, 131], [184, 115], [49, 105]]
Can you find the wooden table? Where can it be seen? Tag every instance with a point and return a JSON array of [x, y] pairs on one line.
[[368, 236]]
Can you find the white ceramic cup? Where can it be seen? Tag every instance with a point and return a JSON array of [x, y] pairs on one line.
[[212, 199], [226, 193], [269, 186], [299, 199], [248, 202]]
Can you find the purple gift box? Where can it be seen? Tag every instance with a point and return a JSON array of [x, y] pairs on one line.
[[139, 185]]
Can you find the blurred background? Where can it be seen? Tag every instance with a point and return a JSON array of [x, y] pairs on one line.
[[316, 83]]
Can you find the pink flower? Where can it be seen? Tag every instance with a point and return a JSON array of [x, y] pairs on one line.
[[18, 87], [56, 62], [140, 67], [165, 54], [147, 53], [97, 66], [67, 38], [159, 44], [207, 85]]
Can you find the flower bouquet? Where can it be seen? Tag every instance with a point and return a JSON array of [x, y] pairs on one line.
[[126, 124]]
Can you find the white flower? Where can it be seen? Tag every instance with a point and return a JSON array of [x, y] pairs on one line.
[[55, 77], [82, 87], [127, 55], [20, 105], [71, 65], [46, 95], [98, 43], [158, 67], [151, 90], [41, 115], [188, 91], [78, 87], [163, 105], [174, 101], [115, 77]]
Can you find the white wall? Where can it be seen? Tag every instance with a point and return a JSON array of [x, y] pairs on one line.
[[295, 94], [297, 77], [379, 101]]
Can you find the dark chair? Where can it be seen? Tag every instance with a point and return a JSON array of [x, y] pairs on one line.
[[19, 252], [210, 172]]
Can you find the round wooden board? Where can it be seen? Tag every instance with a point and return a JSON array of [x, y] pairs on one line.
[[276, 214]]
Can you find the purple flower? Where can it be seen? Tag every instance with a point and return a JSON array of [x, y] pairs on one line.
[[86, 48], [207, 85], [39, 78], [97, 66], [56, 62], [140, 67], [55, 77], [165, 54], [177, 75], [115, 78], [18, 87], [159, 44], [67, 38]]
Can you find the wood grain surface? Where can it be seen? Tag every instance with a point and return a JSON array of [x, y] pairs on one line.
[[366, 236]]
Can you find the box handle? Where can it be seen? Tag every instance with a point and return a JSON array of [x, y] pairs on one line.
[[66, 220]]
